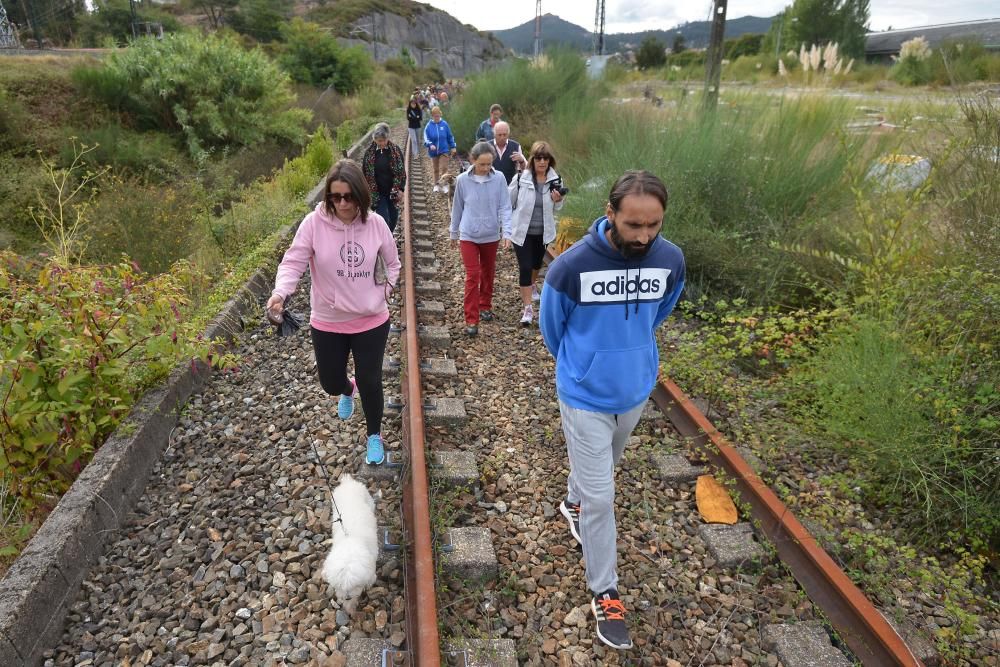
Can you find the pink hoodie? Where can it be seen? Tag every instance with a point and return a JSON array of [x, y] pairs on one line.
[[341, 259]]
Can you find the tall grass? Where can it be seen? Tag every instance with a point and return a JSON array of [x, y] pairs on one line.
[[552, 100], [759, 174]]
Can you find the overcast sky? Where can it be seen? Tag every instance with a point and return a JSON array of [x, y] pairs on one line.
[[638, 15]]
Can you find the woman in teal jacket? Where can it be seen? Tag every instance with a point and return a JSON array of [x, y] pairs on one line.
[[440, 144]]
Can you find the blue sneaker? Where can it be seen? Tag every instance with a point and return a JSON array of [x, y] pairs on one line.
[[345, 406], [376, 450]]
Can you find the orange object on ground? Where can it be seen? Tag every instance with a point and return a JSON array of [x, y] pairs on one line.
[[714, 503]]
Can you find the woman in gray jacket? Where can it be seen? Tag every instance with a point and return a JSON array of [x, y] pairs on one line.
[[535, 195], [480, 214]]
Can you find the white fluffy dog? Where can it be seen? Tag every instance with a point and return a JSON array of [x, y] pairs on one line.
[[350, 565]]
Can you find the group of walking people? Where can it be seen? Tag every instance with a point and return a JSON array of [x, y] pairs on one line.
[[600, 305]]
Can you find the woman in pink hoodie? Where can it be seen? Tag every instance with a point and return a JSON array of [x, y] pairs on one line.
[[339, 242]]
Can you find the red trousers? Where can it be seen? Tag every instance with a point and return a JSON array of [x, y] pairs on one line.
[[480, 261]]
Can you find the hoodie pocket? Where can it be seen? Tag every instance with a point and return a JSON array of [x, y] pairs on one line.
[[480, 226], [619, 377]]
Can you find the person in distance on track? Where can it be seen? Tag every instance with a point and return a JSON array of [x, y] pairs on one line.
[[485, 130], [535, 196], [440, 144], [414, 121], [340, 242], [479, 216], [385, 174], [508, 158], [601, 304]]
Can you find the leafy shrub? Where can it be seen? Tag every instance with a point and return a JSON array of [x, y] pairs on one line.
[[301, 174], [70, 339], [260, 19], [153, 224], [208, 88], [652, 53], [929, 444], [313, 56]]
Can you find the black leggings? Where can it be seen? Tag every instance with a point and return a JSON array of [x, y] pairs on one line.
[[529, 257], [331, 362]]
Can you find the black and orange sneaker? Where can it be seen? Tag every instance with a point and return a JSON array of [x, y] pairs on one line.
[[572, 514], [610, 614]]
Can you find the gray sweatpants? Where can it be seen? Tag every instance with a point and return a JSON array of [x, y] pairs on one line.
[[595, 442]]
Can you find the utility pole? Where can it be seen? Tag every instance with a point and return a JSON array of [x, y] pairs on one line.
[[599, 29], [713, 61], [29, 11], [538, 28]]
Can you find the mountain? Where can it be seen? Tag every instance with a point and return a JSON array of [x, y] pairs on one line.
[[557, 31]]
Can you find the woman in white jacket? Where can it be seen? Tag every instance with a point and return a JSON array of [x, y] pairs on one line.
[[535, 195]]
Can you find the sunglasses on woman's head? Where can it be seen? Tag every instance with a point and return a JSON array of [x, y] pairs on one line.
[[543, 157], [336, 197]]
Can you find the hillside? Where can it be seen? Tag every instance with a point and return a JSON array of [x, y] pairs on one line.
[[558, 31], [428, 34]]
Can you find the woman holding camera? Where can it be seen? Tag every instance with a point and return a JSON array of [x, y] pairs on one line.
[[535, 193]]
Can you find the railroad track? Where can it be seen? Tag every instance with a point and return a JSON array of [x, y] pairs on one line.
[[218, 564]]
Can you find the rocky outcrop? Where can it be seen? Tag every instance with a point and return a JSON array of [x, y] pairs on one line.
[[429, 36]]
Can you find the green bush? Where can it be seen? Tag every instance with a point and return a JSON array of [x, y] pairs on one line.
[[652, 53], [70, 338], [208, 88], [301, 174], [261, 19], [313, 56], [910, 71], [929, 445], [153, 224]]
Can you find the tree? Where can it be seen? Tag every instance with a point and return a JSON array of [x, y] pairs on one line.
[[821, 21], [854, 27], [748, 44], [313, 56], [651, 54], [216, 11], [261, 19], [680, 43]]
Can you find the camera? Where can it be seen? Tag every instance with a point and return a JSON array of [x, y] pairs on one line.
[[557, 186]]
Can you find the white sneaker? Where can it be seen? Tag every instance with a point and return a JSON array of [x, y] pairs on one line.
[[437, 188], [444, 188], [527, 316], [535, 294]]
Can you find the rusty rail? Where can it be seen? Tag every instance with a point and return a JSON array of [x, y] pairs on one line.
[[422, 637], [860, 624]]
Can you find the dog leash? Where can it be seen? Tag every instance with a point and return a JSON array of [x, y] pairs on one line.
[[322, 470]]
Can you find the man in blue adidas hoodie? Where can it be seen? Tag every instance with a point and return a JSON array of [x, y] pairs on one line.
[[601, 304]]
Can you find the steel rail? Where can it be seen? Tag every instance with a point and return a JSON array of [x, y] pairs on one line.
[[423, 640], [855, 618]]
